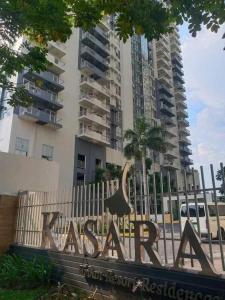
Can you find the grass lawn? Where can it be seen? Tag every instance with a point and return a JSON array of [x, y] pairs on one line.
[[21, 294]]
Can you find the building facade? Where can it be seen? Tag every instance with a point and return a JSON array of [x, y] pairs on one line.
[[159, 95], [94, 88]]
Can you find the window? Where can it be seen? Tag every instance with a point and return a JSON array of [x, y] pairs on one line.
[[192, 211], [81, 161], [22, 146], [47, 152], [80, 178], [98, 163]]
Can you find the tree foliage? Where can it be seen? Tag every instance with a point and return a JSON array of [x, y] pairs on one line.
[[45, 20], [143, 137], [220, 176]]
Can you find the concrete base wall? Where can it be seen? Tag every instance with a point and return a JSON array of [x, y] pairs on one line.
[[8, 211]]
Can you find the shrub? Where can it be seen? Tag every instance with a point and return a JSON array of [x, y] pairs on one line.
[[16, 272]]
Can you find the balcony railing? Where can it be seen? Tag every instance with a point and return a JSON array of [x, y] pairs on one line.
[[95, 102], [41, 117], [91, 69], [56, 64], [95, 85], [185, 149], [94, 118], [42, 94], [90, 134], [91, 41], [50, 80], [166, 110], [186, 161]]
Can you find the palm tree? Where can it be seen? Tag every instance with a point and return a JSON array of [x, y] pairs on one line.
[[140, 139]]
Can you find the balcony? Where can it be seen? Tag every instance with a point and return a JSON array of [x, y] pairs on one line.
[[91, 41], [179, 94], [164, 73], [184, 130], [164, 90], [166, 100], [93, 118], [167, 121], [39, 117], [177, 60], [186, 161], [171, 143], [178, 70], [163, 62], [89, 69], [181, 104], [170, 164], [94, 136], [183, 122], [94, 103], [185, 150], [100, 34], [171, 132], [48, 98], [94, 58], [178, 77], [91, 84], [50, 81], [56, 64], [166, 110], [171, 154], [184, 140], [57, 49], [182, 113], [179, 87]]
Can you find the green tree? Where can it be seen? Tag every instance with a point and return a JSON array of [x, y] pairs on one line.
[[111, 172], [220, 176], [44, 20], [142, 138]]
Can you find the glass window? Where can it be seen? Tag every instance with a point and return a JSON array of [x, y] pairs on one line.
[[98, 163], [47, 152], [22, 146], [81, 161], [213, 212], [192, 211]]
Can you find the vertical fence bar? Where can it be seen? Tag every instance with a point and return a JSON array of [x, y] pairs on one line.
[[196, 202], [155, 205], [98, 205], [207, 214], [129, 226], [188, 212], [163, 218], [171, 214], [103, 212], [217, 217]]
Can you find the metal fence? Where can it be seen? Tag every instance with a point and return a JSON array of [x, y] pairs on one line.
[[168, 205]]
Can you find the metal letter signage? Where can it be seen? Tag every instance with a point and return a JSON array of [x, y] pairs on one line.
[[118, 202], [190, 235], [46, 231], [153, 236], [113, 242], [73, 239]]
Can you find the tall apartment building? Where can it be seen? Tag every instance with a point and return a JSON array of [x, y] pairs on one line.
[[159, 94], [94, 88], [77, 114]]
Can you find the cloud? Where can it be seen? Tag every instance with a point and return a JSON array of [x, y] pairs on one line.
[[204, 69]]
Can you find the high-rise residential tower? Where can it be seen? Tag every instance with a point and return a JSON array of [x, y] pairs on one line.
[[77, 114], [94, 88], [159, 95]]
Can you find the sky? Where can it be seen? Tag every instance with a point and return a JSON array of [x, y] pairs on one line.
[[204, 74]]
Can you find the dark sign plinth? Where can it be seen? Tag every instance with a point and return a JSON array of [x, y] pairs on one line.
[[126, 280]]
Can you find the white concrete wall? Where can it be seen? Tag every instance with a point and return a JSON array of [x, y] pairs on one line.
[[24, 173]]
